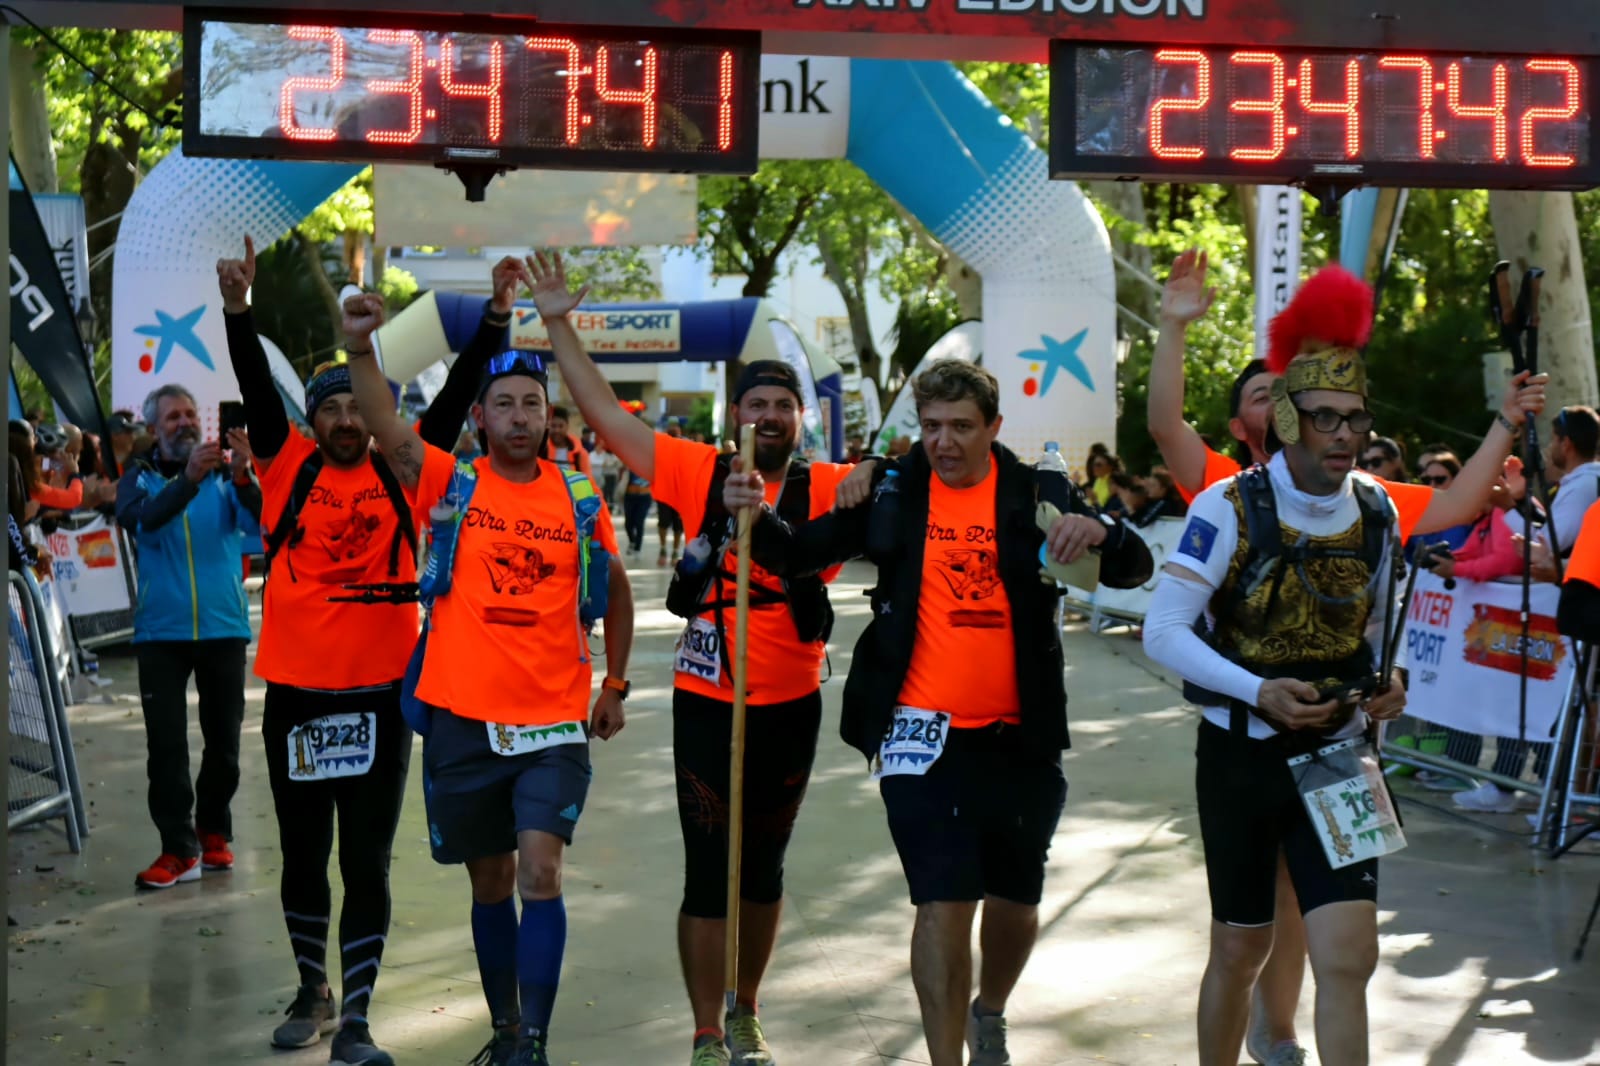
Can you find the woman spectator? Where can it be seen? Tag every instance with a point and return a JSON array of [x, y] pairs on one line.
[[1438, 473], [1101, 467], [57, 486], [1163, 493]]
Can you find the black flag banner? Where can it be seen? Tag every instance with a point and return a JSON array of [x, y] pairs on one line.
[[43, 325]]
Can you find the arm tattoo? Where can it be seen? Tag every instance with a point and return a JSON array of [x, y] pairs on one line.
[[407, 465]]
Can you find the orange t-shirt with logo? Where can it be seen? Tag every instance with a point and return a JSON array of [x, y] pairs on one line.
[[964, 661], [780, 667], [349, 524], [505, 643], [1410, 501]]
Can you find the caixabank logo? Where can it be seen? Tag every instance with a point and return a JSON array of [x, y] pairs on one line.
[[1052, 357]]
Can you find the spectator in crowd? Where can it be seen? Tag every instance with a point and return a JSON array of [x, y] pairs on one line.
[[1439, 473], [1102, 466], [123, 427], [98, 491], [608, 468], [635, 510], [1429, 452], [36, 417], [899, 447], [1164, 498], [26, 547], [1385, 458], [188, 511], [59, 488], [1570, 458], [564, 448]]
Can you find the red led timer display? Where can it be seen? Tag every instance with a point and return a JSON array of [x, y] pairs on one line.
[[1297, 115], [559, 97]]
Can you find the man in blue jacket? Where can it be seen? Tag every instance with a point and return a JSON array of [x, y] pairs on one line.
[[188, 508]]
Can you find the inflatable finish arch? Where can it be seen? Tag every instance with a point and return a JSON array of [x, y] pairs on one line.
[[919, 129]]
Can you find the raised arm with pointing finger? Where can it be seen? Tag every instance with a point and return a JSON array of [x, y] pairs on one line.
[[400, 444]]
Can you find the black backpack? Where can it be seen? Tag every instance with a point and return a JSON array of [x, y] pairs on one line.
[[807, 596], [289, 531]]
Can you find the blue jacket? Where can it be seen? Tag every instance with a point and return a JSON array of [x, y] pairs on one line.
[[190, 540]]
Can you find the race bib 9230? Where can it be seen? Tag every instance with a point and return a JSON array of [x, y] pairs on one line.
[[699, 651], [335, 745]]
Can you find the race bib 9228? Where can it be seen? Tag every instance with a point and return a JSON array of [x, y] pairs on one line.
[[335, 745]]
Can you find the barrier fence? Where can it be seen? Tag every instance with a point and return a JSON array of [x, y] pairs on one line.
[[42, 783]]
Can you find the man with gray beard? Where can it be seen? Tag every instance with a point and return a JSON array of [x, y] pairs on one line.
[[188, 506]]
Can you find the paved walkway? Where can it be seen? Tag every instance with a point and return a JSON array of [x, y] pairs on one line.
[[1476, 932]]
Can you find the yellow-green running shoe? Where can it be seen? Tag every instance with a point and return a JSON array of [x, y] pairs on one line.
[[745, 1039]]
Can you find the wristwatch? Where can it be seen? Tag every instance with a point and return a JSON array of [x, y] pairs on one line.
[[620, 687]]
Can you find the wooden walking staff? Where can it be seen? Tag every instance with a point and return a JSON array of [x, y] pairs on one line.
[[730, 965]]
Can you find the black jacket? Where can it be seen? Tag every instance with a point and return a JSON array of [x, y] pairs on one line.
[[890, 532]]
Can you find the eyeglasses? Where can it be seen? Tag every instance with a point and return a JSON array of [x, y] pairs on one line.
[[1327, 420], [508, 361], [1438, 482]]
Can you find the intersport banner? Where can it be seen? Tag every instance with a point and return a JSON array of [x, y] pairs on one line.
[[1463, 648], [44, 326]]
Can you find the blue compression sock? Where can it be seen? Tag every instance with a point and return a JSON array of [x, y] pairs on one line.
[[541, 941], [494, 934]]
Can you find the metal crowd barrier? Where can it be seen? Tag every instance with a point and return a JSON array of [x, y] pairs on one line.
[[42, 782]]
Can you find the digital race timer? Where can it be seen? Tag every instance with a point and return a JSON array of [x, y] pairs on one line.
[[1282, 115], [373, 88]]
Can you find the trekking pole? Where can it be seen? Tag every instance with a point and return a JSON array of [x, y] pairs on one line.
[[741, 659]]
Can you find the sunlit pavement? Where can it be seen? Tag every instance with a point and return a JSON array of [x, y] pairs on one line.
[[1477, 932]]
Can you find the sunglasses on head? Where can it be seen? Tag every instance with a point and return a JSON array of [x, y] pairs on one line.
[[510, 360]]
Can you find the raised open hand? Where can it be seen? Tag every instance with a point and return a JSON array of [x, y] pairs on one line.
[[551, 294], [1185, 297]]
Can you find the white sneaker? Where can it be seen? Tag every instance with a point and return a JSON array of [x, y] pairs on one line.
[[1487, 797]]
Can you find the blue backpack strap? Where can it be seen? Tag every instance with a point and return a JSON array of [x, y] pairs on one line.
[[434, 580], [586, 505]]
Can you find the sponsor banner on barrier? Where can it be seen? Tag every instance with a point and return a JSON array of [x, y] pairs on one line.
[[1161, 536], [93, 579], [1463, 648]]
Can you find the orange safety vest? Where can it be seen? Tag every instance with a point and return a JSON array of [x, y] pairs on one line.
[[1584, 563]]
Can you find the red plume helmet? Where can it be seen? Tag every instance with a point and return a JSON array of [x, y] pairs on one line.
[[1333, 307]]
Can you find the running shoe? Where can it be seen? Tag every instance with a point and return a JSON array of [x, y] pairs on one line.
[[986, 1038], [353, 1046], [167, 871], [1488, 798], [1259, 1046], [530, 1051], [747, 1045], [709, 1051], [311, 1015], [214, 852], [498, 1051]]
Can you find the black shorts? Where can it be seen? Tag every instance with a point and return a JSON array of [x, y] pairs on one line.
[[780, 746], [668, 520], [980, 821], [478, 801], [1249, 810]]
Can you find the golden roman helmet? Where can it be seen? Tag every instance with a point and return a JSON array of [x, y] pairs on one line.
[[1315, 343]]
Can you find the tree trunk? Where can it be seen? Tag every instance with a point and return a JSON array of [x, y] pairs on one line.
[[31, 144], [312, 252], [1540, 229], [355, 258], [852, 292]]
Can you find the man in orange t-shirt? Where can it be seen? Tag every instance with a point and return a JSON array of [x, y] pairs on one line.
[[506, 670], [1195, 467], [784, 672], [956, 688], [335, 740]]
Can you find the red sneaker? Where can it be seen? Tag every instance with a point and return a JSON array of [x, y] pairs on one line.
[[214, 852], [167, 871]]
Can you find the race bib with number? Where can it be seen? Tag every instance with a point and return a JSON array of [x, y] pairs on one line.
[[336, 745], [914, 742], [511, 740], [1345, 793], [699, 651]]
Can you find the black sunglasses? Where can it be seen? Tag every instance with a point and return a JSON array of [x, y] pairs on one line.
[[1327, 420], [1372, 462], [1438, 482]]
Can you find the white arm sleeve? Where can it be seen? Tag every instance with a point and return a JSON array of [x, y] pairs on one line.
[[1170, 639]]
